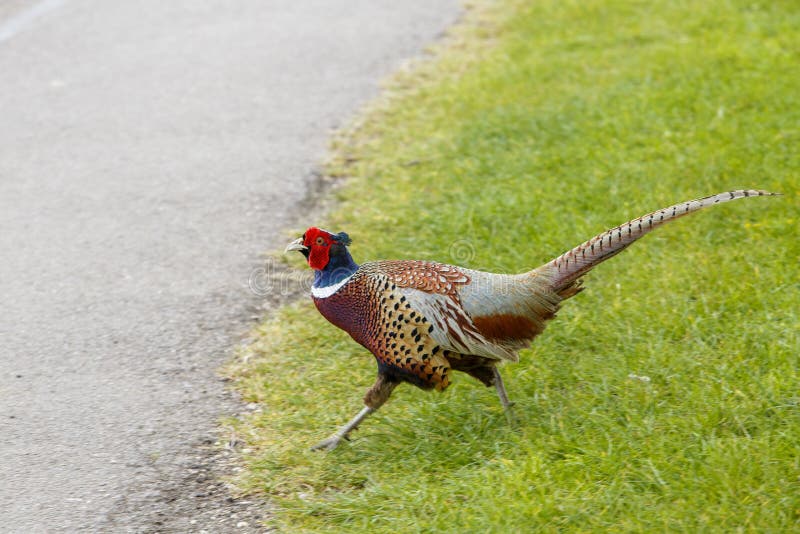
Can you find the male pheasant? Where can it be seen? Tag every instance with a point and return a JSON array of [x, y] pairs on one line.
[[423, 320]]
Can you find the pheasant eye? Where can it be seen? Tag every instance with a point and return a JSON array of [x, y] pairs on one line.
[[320, 241]]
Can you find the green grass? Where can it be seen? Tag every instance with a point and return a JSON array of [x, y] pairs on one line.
[[540, 125]]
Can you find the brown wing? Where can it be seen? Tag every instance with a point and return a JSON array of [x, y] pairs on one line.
[[434, 290], [473, 312], [427, 276]]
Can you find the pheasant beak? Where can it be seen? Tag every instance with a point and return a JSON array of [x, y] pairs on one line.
[[297, 244]]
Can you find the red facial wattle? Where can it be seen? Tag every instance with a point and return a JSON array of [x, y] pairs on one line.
[[319, 246]]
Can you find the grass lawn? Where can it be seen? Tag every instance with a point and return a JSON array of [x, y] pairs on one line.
[[664, 397]]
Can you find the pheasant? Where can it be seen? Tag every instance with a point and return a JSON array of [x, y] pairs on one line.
[[422, 320]]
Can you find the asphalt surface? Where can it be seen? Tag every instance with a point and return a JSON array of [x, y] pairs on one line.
[[150, 152]]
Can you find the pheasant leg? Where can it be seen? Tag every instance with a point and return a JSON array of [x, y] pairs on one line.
[[376, 395], [501, 389], [333, 441]]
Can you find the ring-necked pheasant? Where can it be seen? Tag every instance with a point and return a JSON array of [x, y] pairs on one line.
[[423, 320]]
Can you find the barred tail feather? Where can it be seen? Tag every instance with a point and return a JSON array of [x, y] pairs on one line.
[[566, 269]]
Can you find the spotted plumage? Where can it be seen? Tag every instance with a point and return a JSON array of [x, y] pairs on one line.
[[374, 309], [423, 320]]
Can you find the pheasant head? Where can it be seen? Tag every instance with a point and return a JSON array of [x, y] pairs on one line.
[[327, 254]]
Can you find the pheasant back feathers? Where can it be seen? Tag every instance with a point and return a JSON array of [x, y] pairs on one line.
[[421, 318]]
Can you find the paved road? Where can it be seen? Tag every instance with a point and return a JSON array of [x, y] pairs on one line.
[[150, 152]]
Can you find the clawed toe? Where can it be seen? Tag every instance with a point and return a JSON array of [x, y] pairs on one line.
[[328, 444]]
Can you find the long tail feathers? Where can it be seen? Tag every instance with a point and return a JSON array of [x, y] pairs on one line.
[[566, 269]]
